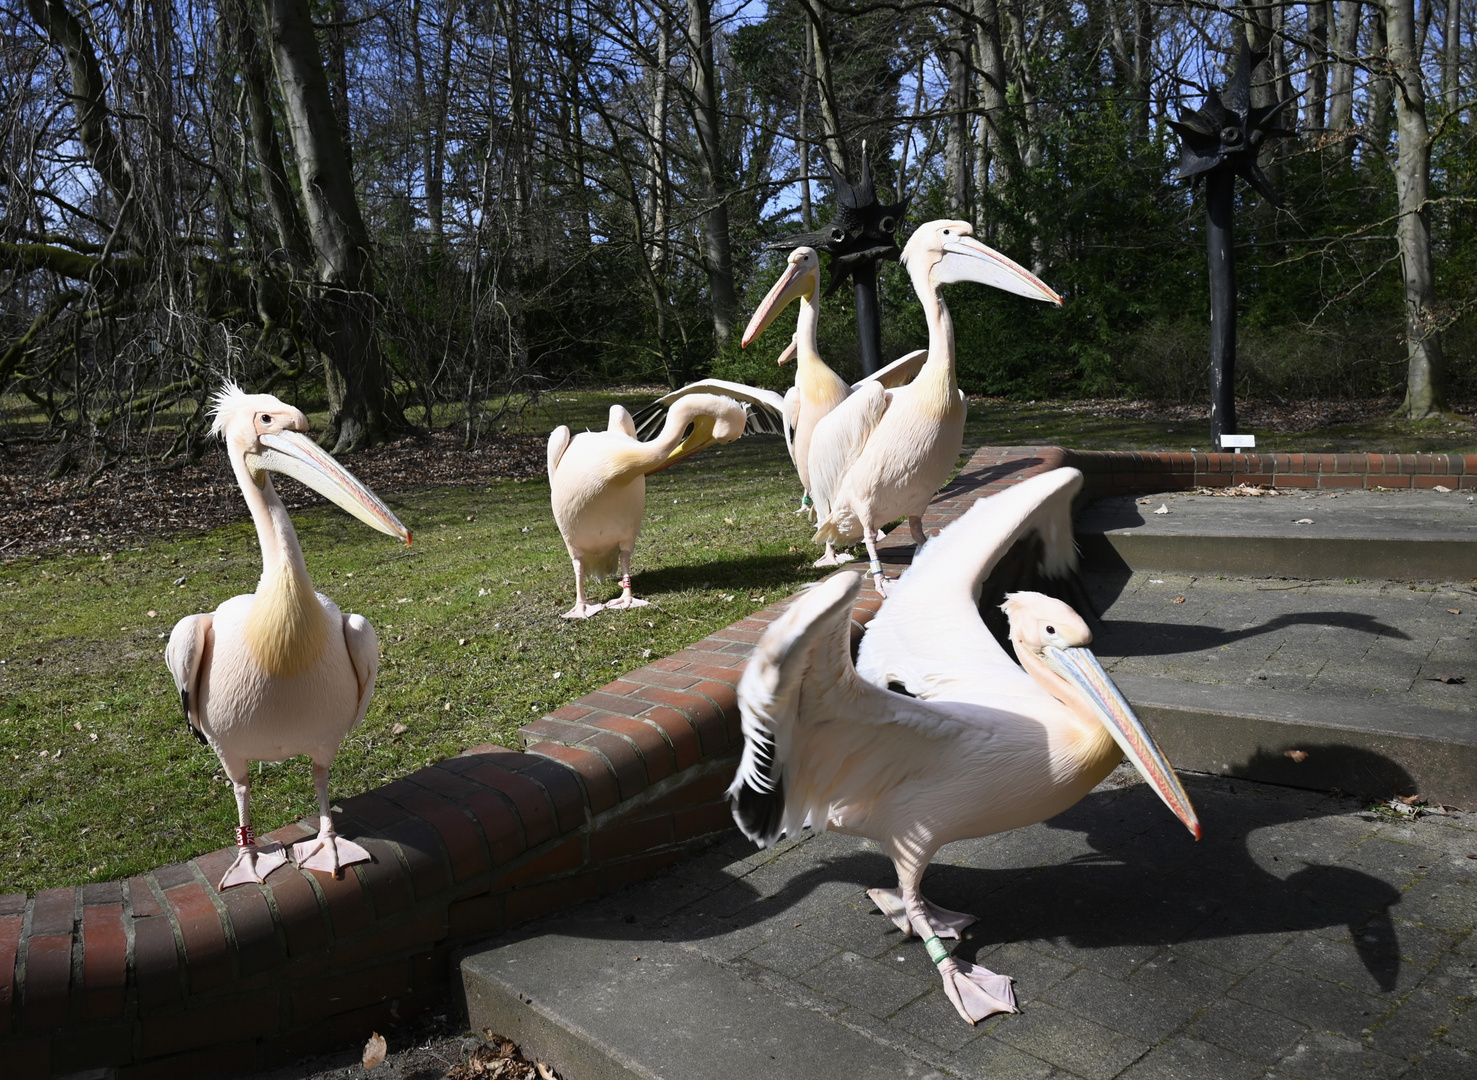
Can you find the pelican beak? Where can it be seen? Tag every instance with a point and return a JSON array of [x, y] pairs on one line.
[[789, 353], [1080, 668], [966, 259], [297, 456], [795, 282], [699, 434]]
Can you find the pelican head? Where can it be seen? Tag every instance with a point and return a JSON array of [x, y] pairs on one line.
[[802, 277], [701, 420], [1054, 636], [945, 252], [264, 434]]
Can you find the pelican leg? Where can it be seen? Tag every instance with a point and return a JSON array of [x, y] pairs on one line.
[[876, 565], [832, 557], [253, 861], [582, 609], [915, 526], [807, 508], [945, 923], [625, 599], [975, 991], [327, 851]]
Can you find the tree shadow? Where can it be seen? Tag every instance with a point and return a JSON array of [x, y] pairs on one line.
[[1132, 637], [1144, 882]]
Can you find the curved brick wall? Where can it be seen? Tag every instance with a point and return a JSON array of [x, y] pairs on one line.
[[160, 975]]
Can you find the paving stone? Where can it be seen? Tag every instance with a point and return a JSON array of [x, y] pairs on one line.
[[988, 1056], [1324, 1055], [789, 952], [1444, 1063], [1183, 1056], [1323, 1006], [865, 983], [1121, 1006], [1251, 1032], [1421, 1019], [1070, 1042]]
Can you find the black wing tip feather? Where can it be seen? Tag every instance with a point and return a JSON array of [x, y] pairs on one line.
[[184, 700], [759, 813]]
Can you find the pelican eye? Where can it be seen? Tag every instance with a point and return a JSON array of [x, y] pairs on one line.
[[1051, 629], [266, 419]]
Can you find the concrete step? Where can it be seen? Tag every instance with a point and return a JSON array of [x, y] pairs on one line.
[[1233, 674], [1406, 535], [580, 994]]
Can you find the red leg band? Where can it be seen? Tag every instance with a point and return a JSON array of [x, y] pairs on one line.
[[245, 837]]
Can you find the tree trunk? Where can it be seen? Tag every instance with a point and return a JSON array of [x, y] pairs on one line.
[[833, 145], [1341, 74], [1451, 52], [1381, 87], [802, 140], [956, 139], [719, 257], [1318, 11], [1424, 372], [344, 302]]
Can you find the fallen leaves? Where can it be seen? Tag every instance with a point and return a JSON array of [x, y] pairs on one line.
[[1453, 611], [1303, 521], [1298, 756], [1447, 677], [374, 1051], [1163, 509], [1178, 600], [498, 1059]]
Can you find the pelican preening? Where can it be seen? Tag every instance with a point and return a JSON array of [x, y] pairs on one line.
[[974, 744], [881, 454], [597, 483], [282, 671]]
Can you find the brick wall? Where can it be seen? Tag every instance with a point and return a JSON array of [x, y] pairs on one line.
[[161, 976]]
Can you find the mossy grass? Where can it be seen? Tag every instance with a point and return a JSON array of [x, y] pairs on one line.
[[468, 621]]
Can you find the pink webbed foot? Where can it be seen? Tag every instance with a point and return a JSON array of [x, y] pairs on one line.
[[975, 991], [833, 558], [621, 603], [583, 611], [945, 923], [329, 853], [253, 863]]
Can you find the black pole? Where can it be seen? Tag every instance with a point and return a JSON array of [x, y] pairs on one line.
[[868, 316], [1220, 204]]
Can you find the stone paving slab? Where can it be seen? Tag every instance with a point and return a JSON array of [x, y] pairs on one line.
[[1304, 937], [1395, 534]]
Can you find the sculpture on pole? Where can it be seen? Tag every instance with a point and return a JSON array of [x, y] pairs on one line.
[[862, 233], [1220, 141]]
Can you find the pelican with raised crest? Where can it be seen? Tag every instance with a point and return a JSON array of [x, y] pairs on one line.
[[937, 734], [282, 671], [883, 454], [597, 484]]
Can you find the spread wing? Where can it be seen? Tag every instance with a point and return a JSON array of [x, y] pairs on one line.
[[898, 372], [941, 633], [765, 408], [189, 644], [817, 738]]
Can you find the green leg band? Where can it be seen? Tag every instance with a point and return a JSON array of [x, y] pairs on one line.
[[936, 950]]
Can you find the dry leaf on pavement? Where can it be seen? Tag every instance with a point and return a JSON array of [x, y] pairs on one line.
[[374, 1051]]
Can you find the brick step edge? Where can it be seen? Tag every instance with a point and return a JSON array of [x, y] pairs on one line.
[[161, 976]]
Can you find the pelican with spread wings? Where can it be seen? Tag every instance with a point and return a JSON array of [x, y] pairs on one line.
[[938, 733]]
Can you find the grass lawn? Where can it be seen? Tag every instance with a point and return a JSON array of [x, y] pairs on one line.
[[100, 779]]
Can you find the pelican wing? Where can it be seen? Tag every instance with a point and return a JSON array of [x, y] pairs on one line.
[[898, 372], [189, 644], [364, 654], [838, 441], [941, 634], [558, 443], [765, 408], [817, 738], [792, 419]]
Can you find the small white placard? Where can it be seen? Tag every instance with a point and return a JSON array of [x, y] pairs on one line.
[[1238, 442]]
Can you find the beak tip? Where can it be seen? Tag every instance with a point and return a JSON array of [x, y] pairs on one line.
[[407, 537]]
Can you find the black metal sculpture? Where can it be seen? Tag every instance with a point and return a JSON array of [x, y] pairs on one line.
[[1220, 141], [862, 234]]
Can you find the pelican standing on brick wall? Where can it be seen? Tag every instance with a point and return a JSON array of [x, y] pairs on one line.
[[281, 671], [882, 454], [937, 734], [597, 484]]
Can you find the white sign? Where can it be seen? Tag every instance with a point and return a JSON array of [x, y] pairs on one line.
[[1238, 442]]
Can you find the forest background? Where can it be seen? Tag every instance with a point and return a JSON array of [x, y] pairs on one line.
[[420, 212]]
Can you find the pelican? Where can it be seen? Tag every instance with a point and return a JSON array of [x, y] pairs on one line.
[[883, 454], [817, 389], [936, 734], [281, 671], [597, 483]]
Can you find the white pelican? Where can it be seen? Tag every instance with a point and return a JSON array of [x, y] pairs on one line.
[[817, 388], [881, 454], [975, 743], [281, 671], [597, 483]]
